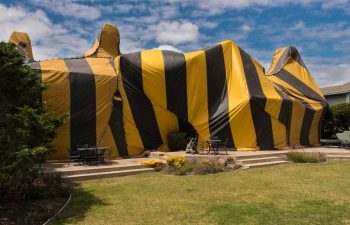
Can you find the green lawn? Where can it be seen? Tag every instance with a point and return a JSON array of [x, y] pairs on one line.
[[285, 194]]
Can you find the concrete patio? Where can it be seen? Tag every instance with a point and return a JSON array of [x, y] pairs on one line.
[[124, 167]]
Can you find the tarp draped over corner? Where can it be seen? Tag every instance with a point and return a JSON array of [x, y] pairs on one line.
[[23, 44], [84, 88], [106, 43], [221, 91], [131, 104]]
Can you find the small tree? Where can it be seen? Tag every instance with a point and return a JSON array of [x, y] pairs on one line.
[[26, 126], [341, 115]]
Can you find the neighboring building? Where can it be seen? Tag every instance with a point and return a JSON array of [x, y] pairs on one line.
[[337, 94]]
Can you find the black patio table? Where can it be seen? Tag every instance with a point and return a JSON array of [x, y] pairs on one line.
[[212, 145], [94, 154]]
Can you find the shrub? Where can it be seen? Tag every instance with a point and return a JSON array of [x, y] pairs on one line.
[[341, 114], [208, 167], [175, 161], [177, 141], [26, 126], [299, 157], [180, 166]]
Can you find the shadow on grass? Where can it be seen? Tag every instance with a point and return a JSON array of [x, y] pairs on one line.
[[82, 201]]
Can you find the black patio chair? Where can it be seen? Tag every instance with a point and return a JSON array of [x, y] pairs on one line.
[[74, 156], [222, 145]]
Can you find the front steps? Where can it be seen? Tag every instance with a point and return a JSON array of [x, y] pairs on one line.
[[338, 155], [81, 173], [260, 160], [101, 175]]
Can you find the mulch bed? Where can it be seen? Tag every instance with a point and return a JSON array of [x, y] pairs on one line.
[[29, 212]]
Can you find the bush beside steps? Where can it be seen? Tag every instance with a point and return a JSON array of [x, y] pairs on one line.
[[299, 157], [178, 165]]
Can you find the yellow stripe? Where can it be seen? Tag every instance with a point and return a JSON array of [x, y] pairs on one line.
[[296, 122], [197, 94], [241, 121], [106, 84], [277, 55], [303, 75], [57, 96], [132, 136], [273, 107], [153, 78]]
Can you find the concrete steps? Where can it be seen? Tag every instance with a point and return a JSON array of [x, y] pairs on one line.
[[260, 160], [260, 155], [338, 157], [74, 172], [263, 164], [97, 169], [109, 174]]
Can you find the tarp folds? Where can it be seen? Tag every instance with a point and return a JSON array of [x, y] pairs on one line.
[[106, 43], [221, 91], [84, 88], [23, 44], [133, 103]]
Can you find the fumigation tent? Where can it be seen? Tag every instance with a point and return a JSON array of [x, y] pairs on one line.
[[131, 102]]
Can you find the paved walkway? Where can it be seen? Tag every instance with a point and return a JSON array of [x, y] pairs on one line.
[[55, 167], [328, 150]]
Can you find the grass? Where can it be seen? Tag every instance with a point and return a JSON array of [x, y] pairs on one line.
[[286, 194]]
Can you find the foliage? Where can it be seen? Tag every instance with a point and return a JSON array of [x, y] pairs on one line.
[[229, 161], [341, 114], [26, 126], [177, 141], [53, 188], [193, 167], [329, 128], [336, 119], [299, 157], [175, 161]]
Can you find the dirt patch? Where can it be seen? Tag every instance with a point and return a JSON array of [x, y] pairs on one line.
[[29, 212]]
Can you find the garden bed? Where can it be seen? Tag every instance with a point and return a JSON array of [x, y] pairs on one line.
[[30, 212]]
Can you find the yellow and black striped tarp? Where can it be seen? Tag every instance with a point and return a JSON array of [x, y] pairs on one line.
[[132, 103], [85, 89], [23, 44], [106, 43], [221, 91]]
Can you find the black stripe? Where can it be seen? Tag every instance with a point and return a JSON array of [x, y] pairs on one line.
[[175, 80], [288, 52], [299, 85], [82, 103], [261, 119], [306, 126], [117, 125], [219, 121], [307, 118], [141, 107], [285, 115]]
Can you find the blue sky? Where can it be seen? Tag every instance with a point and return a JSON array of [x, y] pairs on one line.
[[319, 29]]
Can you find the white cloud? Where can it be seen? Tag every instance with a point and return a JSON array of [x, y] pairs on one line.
[[176, 32], [70, 9], [245, 28], [329, 74], [337, 4], [49, 40], [169, 47], [210, 7]]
